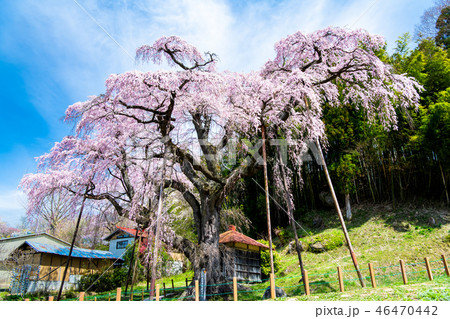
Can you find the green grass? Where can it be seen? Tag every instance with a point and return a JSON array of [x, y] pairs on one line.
[[380, 235]]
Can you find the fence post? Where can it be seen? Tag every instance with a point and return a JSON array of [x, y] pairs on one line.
[[197, 298], [272, 286], [372, 276], [131, 295], [82, 296], [95, 298], [341, 281], [186, 282], [235, 292], [402, 268], [157, 292], [305, 277], [173, 287], [109, 297], [444, 260], [50, 298], [164, 289], [118, 294], [427, 263], [142, 294]]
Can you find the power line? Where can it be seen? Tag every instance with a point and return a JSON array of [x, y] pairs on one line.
[[362, 14]]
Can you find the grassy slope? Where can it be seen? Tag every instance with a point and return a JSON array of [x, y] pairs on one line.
[[380, 235]]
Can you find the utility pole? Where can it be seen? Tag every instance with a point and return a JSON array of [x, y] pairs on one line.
[[266, 189], [158, 217], [291, 218], [132, 259], [71, 245]]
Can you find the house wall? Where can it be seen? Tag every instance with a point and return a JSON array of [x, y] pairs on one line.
[[246, 261], [118, 244]]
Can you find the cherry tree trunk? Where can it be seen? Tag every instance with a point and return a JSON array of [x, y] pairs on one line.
[[207, 253]]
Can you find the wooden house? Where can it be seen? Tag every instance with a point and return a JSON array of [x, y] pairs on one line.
[[121, 237], [40, 266], [244, 254], [10, 244]]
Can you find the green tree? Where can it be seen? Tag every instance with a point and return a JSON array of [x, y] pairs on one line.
[[435, 133], [443, 26]]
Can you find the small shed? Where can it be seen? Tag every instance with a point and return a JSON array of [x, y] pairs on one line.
[[245, 254]]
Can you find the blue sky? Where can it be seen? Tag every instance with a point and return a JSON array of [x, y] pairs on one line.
[[54, 53]]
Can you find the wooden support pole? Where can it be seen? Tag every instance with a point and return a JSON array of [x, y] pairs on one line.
[[157, 292], [186, 282], [403, 269], [197, 297], [272, 286], [82, 296], [173, 287], [131, 295], [266, 191], [164, 289], [444, 260], [50, 298], [118, 294], [429, 272], [341, 280], [235, 292], [338, 210], [372, 276], [142, 294], [95, 298], [109, 297], [306, 282]]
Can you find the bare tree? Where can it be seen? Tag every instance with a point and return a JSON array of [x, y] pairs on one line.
[[53, 210], [427, 26]]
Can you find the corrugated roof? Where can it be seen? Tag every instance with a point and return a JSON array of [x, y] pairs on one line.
[[8, 245], [127, 230], [64, 251], [233, 236], [24, 236]]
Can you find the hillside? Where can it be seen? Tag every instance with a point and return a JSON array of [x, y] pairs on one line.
[[380, 235]]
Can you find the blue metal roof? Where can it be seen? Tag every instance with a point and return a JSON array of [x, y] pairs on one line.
[[76, 252]]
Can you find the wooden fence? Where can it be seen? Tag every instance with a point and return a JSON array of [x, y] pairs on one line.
[[340, 279]]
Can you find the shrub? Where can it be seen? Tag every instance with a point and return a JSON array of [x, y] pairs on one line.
[[284, 235], [329, 239], [265, 260], [109, 281]]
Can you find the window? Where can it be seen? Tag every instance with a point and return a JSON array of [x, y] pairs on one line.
[[121, 244]]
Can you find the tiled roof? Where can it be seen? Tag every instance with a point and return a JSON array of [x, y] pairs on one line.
[[76, 252], [233, 236]]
